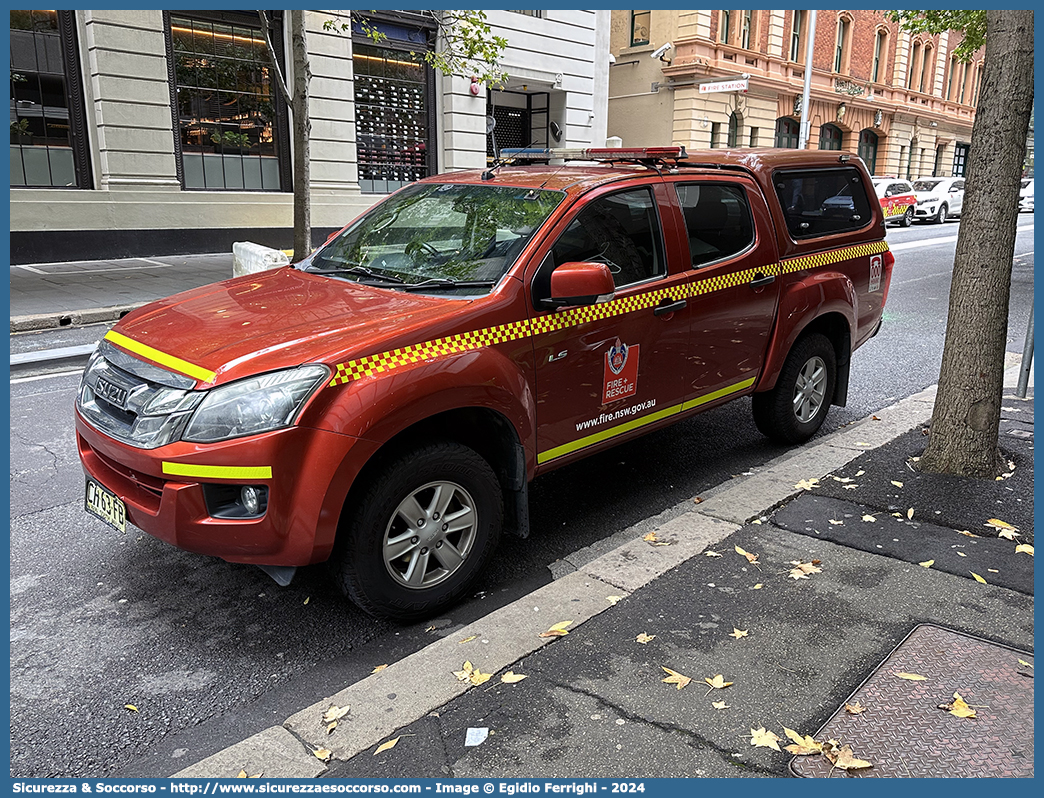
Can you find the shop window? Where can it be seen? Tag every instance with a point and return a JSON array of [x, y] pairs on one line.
[[640, 27], [868, 149], [822, 201], [786, 132], [231, 122], [830, 137], [48, 133]]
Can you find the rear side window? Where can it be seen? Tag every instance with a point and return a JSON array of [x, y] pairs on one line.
[[820, 202], [717, 221]]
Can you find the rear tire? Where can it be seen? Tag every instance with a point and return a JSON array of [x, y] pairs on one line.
[[420, 533], [908, 218], [795, 409]]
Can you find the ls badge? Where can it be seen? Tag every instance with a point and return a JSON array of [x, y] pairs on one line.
[[621, 372]]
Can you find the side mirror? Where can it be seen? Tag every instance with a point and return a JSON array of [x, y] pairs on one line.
[[581, 283]]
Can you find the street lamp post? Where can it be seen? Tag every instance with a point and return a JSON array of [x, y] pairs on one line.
[[809, 47]]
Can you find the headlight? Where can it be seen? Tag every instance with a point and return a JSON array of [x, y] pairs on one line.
[[258, 404]]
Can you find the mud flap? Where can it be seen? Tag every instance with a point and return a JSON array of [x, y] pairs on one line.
[[516, 496]]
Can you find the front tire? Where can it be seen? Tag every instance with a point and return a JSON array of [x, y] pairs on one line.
[[795, 409], [941, 214], [421, 532]]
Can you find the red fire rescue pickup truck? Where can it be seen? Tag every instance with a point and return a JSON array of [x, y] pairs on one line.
[[383, 403]]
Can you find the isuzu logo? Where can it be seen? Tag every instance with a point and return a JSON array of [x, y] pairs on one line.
[[113, 394]]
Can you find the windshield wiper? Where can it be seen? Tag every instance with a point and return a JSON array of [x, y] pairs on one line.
[[444, 283], [360, 271]]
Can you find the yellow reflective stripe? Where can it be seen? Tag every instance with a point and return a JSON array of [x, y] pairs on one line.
[[217, 472], [702, 400], [171, 362], [627, 426], [382, 362]]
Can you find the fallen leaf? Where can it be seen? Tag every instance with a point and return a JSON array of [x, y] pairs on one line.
[[801, 570], [897, 483], [465, 672], [750, 557], [719, 705], [842, 479], [860, 473], [697, 500], [909, 513], [655, 541], [961, 554], [807, 484], [862, 443], [912, 677], [131, 707], [738, 633], [386, 746], [764, 739], [717, 683], [850, 487], [835, 523], [843, 757], [927, 563], [430, 629], [644, 638], [869, 519], [756, 521], [241, 774], [512, 678], [803, 745], [711, 554], [758, 586], [307, 599], [874, 418], [322, 754], [467, 639], [996, 523], [613, 599], [335, 713], [992, 571], [1027, 664], [959, 708], [331, 727], [966, 533], [558, 630], [673, 677], [477, 677], [855, 709], [977, 578], [378, 669], [1024, 548]]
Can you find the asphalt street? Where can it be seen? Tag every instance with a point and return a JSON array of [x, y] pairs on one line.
[[209, 651]]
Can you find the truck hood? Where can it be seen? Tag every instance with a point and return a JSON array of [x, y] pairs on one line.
[[278, 319]]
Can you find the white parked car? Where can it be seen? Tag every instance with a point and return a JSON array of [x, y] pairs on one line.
[[1026, 195], [938, 198]]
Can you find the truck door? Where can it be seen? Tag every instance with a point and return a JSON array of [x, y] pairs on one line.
[[607, 369], [733, 285]]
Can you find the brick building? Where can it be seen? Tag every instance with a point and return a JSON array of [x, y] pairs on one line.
[[901, 101]]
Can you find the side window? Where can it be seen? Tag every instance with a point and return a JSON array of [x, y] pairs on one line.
[[958, 185], [822, 201], [620, 230], [717, 220]]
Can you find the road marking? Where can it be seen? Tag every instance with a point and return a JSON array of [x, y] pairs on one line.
[[27, 268], [16, 380]]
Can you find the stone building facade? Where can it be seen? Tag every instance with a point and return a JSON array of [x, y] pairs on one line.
[[901, 101], [136, 133]]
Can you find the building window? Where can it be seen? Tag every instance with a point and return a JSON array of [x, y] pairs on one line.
[[951, 82], [231, 123], [754, 136], [915, 57], [976, 85], [880, 54], [640, 21], [797, 35], [48, 134], [830, 137], [960, 159], [725, 29], [715, 134], [927, 67], [786, 132], [938, 167], [844, 26], [748, 24], [735, 122], [868, 149], [393, 112], [963, 96], [537, 14]]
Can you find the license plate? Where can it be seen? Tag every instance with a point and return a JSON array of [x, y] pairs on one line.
[[106, 505]]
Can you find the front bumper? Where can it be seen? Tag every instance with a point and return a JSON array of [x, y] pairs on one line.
[[309, 480]]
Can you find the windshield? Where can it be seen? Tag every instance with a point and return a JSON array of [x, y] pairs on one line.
[[926, 185], [449, 238], [1026, 183]]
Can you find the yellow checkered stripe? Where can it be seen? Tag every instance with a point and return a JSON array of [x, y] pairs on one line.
[[896, 210], [384, 362]]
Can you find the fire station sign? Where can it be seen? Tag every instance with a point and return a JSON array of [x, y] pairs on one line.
[[726, 85]]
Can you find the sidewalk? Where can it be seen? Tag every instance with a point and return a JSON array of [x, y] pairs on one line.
[[805, 586]]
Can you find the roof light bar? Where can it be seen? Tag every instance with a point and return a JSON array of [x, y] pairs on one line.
[[594, 153]]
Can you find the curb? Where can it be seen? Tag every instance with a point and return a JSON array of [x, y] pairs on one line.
[[511, 632], [71, 318]]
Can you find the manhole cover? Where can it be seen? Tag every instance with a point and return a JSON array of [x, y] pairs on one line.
[[904, 734]]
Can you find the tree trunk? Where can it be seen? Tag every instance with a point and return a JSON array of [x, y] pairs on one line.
[[302, 129], [966, 416]]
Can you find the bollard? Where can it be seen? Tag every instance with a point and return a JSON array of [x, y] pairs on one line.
[[1027, 360]]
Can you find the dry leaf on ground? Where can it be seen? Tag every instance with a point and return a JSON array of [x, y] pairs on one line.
[[1004, 529], [758, 586], [386, 746], [1024, 548], [644, 638], [652, 540], [673, 677], [717, 683], [855, 709], [966, 533], [897, 483], [764, 739], [978, 578], [131, 707], [927, 563], [801, 570], [558, 630], [842, 757], [613, 599], [711, 554], [803, 744], [378, 669], [752, 558], [323, 754], [959, 708], [869, 519], [467, 639], [835, 523], [807, 484], [512, 678], [719, 705], [909, 513], [738, 633], [335, 713], [911, 677]]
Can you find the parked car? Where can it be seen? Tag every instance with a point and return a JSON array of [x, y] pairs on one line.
[[938, 198], [897, 199], [382, 404], [1026, 195]]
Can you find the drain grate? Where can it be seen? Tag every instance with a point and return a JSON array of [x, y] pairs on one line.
[[904, 734]]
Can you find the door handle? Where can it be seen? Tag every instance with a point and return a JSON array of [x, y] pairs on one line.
[[660, 310], [761, 280]]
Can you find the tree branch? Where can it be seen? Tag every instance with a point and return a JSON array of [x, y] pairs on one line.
[[280, 80]]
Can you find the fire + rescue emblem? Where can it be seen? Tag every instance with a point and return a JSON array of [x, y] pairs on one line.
[[621, 372]]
